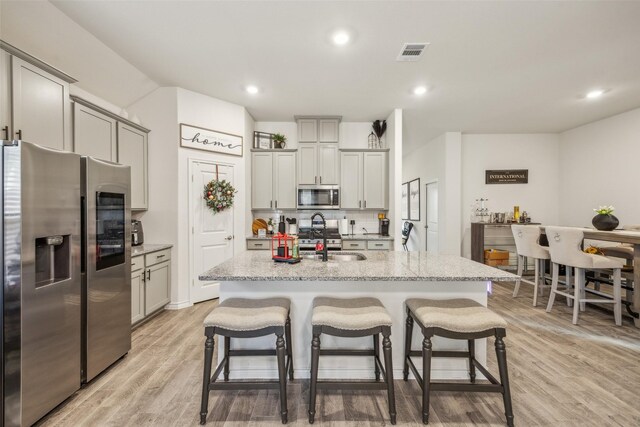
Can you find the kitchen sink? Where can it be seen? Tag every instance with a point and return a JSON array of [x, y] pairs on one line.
[[342, 256]]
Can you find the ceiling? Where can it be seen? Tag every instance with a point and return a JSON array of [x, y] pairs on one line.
[[492, 67]]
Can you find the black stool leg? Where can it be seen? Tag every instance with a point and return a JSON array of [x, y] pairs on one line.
[[206, 378], [472, 356], [315, 358], [227, 347], [388, 368], [376, 350], [426, 377], [408, 334], [282, 374], [501, 354], [287, 332]]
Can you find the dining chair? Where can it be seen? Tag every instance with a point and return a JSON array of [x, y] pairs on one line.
[[528, 246]]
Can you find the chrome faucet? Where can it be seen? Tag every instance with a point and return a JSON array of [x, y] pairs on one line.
[[325, 255]]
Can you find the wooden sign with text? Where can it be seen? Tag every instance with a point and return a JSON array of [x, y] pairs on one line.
[[509, 176], [210, 140]]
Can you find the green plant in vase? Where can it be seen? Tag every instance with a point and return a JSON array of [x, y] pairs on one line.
[[279, 140], [605, 220]]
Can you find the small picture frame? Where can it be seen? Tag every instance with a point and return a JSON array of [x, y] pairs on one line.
[[414, 200], [405, 201], [262, 140]]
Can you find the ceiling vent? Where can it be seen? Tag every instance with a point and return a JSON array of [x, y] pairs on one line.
[[412, 51]]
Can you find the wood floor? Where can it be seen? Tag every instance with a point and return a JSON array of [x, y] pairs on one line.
[[561, 375]]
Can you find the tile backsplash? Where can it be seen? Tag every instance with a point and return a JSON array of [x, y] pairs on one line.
[[363, 219]]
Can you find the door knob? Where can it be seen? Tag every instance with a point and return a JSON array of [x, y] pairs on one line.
[[229, 238]]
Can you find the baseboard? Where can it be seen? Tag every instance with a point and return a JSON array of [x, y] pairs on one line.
[[178, 305]]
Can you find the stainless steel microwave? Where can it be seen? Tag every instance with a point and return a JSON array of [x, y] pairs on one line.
[[318, 197]]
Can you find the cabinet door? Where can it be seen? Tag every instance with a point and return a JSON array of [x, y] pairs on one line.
[[308, 167], [307, 130], [157, 287], [328, 164], [328, 130], [375, 181], [94, 134], [137, 296], [5, 95], [132, 151], [351, 180], [261, 180], [41, 108], [284, 183]]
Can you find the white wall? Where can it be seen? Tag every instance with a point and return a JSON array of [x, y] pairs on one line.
[[167, 220], [599, 164], [539, 153]]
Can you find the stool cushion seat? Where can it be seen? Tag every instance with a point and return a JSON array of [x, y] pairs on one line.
[[456, 315], [244, 314], [349, 313]]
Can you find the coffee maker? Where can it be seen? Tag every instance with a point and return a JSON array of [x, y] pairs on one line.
[[383, 226], [137, 235]]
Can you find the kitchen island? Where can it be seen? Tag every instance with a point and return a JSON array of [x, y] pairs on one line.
[[392, 277]]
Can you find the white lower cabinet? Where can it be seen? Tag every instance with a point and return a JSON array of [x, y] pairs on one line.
[[150, 283]]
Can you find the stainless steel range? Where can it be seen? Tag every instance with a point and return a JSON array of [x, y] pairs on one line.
[[309, 234]]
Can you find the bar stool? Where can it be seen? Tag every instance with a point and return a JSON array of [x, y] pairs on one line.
[[526, 238], [461, 319], [248, 318], [354, 317], [565, 248]]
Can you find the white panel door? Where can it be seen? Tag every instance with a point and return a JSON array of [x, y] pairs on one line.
[[94, 134], [212, 234], [328, 130], [432, 217], [375, 181], [350, 180], [41, 108], [132, 151], [261, 180], [328, 164], [156, 285], [308, 168], [137, 295], [284, 182], [307, 130]]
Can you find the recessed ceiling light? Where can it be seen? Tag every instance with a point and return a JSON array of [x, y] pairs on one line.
[[341, 38], [252, 89], [595, 94], [419, 90]]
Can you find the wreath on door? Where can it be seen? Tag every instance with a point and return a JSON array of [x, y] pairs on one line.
[[219, 195]]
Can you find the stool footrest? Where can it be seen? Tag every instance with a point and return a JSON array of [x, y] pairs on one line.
[[346, 352], [252, 352], [244, 385], [462, 354], [495, 388], [352, 385]]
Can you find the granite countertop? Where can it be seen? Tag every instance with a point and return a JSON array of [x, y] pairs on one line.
[[379, 266], [365, 237], [148, 248]]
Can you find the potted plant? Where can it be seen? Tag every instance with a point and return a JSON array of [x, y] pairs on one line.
[[604, 220], [279, 140]]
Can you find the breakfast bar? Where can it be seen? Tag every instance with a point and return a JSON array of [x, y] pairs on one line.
[[392, 277]]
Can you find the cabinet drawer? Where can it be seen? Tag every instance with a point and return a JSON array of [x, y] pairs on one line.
[[376, 245], [253, 245], [137, 263], [354, 244], [156, 257]]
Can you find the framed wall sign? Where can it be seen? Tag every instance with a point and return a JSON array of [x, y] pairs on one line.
[[507, 176], [414, 200], [405, 201], [262, 140], [210, 140]]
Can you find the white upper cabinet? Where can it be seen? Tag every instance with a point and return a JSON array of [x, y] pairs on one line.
[[40, 106], [307, 130], [261, 180], [132, 151], [284, 184], [328, 130], [350, 180], [364, 180], [5, 96], [94, 133], [308, 170], [375, 182], [328, 166]]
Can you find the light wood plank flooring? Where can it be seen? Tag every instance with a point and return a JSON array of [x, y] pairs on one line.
[[561, 375]]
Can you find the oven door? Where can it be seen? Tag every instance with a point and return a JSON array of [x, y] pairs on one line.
[[318, 197]]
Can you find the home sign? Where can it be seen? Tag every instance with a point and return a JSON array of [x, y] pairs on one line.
[[210, 140], [510, 176]]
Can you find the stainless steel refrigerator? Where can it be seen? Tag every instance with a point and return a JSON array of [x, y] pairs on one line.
[[66, 295]]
